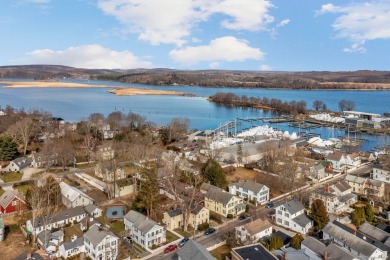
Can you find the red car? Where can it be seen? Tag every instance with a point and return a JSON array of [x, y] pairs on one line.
[[170, 248]]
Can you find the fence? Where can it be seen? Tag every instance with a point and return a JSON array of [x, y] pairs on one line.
[[216, 245]]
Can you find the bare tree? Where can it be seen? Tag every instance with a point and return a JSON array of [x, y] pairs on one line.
[[178, 128], [23, 131], [65, 152], [116, 120], [318, 104]]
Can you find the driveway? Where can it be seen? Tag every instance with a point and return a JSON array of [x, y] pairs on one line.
[[28, 172]]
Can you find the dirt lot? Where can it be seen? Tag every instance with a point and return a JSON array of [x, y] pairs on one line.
[[13, 245], [241, 174]]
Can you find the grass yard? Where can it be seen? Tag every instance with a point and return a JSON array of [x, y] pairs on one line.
[[23, 188], [13, 245], [241, 174], [129, 169], [11, 176], [171, 237], [182, 232], [72, 230], [221, 252], [117, 226], [1, 191], [85, 166]]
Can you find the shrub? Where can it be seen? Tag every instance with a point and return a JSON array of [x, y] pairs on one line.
[[203, 226], [215, 217], [246, 208], [229, 215], [154, 246]]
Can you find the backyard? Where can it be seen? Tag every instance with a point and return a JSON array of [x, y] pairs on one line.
[[11, 176], [221, 252]]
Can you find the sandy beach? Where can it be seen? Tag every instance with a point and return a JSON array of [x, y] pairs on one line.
[[116, 91]]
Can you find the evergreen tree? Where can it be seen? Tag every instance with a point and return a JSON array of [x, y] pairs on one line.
[[296, 241], [355, 219], [275, 243], [214, 173], [148, 192], [8, 148], [319, 214], [369, 212]]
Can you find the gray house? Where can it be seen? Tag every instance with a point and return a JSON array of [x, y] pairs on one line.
[[194, 251]]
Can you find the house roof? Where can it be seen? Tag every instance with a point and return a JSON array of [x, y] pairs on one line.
[[374, 232], [96, 234], [72, 193], [90, 208], [22, 162], [257, 226], [174, 212], [8, 196], [384, 227], [45, 236], [336, 156], [73, 244], [318, 167], [349, 239], [219, 195], [285, 237], [140, 221], [205, 187], [324, 163], [254, 252], [59, 216], [35, 256], [194, 251], [355, 179], [198, 209], [342, 186], [293, 206], [250, 185], [314, 245], [302, 220], [335, 252]]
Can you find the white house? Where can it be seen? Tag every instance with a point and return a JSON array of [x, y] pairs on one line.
[[55, 220], [18, 164], [50, 241], [250, 190], [253, 231], [73, 197], [292, 215], [73, 247], [42, 160], [339, 234], [338, 160], [379, 173], [336, 198], [143, 230], [100, 243], [353, 160]]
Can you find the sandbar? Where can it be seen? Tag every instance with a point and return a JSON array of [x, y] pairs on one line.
[[131, 91]]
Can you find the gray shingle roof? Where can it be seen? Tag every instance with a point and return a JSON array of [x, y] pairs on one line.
[[96, 234], [174, 212], [219, 195], [72, 193], [374, 232], [22, 162], [90, 208], [293, 206], [349, 239], [314, 245], [48, 235], [355, 179], [59, 216], [342, 186], [302, 220], [75, 244], [250, 185], [8, 196], [140, 221], [194, 251]]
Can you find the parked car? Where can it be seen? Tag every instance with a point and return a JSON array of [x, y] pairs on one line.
[[210, 231], [242, 217], [128, 239], [269, 205], [170, 248], [183, 241]]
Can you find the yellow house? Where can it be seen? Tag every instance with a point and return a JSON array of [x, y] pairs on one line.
[[222, 202], [174, 218], [366, 186]]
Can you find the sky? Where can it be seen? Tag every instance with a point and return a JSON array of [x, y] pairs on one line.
[[257, 35]]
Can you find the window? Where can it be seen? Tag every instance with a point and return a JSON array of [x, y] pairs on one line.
[[286, 223], [286, 215], [14, 203], [279, 220], [280, 212]]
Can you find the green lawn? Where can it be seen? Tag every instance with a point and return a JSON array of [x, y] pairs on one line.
[[117, 226], [23, 188], [1, 191], [171, 237], [11, 176], [221, 252]]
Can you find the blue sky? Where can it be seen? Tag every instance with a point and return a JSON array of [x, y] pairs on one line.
[[278, 35]]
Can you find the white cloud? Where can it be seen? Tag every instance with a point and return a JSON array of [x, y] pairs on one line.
[[226, 48], [361, 22], [214, 64], [88, 56], [265, 67], [171, 21], [283, 23]]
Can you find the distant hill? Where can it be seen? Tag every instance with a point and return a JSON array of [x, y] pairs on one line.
[[211, 78]]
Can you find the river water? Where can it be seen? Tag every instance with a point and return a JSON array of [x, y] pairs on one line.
[[75, 104]]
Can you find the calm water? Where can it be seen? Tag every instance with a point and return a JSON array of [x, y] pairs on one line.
[[77, 103]]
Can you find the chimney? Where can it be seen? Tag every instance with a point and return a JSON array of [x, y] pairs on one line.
[[326, 255], [73, 238], [354, 232], [327, 188]]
